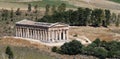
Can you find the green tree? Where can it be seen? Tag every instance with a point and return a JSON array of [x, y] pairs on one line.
[[72, 48], [107, 16], [113, 18], [11, 13], [9, 53], [18, 12], [47, 9], [53, 9], [29, 7], [62, 7], [36, 8], [100, 52], [54, 49], [87, 14], [117, 21], [5, 14], [97, 42]]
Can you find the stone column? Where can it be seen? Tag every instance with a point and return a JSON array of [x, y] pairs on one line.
[[32, 33], [59, 34], [21, 32], [35, 34], [52, 35], [43, 35], [27, 31], [16, 32], [48, 36], [40, 34], [67, 35], [63, 34], [55, 35]]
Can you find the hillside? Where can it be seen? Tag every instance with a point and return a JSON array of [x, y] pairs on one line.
[[104, 4], [24, 49], [118, 1]]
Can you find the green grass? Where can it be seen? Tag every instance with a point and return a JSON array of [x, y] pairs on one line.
[[25, 53], [50, 2], [118, 1]]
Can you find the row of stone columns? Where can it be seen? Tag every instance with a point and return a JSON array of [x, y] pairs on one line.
[[42, 34]]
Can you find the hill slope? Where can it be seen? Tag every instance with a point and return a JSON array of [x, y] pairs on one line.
[[105, 4]]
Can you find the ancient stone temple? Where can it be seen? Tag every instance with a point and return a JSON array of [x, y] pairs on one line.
[[45, 32]]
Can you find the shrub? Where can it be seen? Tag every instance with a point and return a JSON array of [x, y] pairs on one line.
[[72, 48], [9, 53], [54, 49]]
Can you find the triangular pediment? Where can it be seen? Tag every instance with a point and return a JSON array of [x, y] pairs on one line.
[[60, 25]]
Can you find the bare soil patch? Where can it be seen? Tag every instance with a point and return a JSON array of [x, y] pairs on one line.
[[92, 33]]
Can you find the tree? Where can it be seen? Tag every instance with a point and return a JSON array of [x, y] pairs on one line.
[[9, 53], [62, 7], [100, 52], [29, 7], [53, 9], [72, 48], [18, 12], [113, 18], [47, 9], [54, 49], [117, 21], [11, 13], [97, 42], [5, 14], [107, 16], [87, 13], [36, 8]]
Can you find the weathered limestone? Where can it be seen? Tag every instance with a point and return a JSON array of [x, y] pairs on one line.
[[47, 32]]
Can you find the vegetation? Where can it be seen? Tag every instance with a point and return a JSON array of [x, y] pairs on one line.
[[101, 49], [71, 48], [50, 2], [54, 49], [29, 7], [24, 53], [82, 17], [9, 53], [118, 1]]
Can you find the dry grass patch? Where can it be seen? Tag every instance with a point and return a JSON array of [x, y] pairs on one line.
[[94, 32]]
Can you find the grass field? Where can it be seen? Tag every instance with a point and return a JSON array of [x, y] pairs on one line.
[[50, 2], [24, 53]]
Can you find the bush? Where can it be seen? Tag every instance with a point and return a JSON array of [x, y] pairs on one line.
[[54, 49], [100, 52], [72, 48], [9, 53]]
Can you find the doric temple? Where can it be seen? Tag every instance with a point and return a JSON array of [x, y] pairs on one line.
[[45, 32]]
